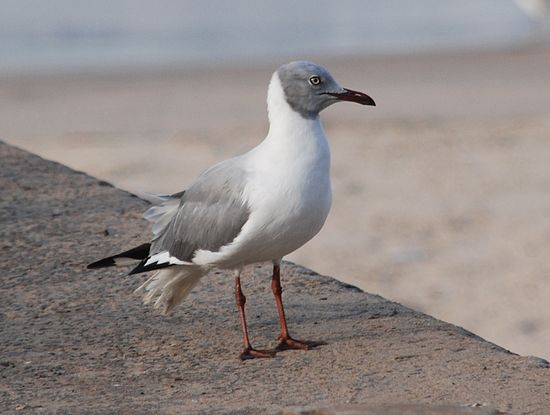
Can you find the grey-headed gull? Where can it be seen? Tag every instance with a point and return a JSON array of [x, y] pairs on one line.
[[256, 207]]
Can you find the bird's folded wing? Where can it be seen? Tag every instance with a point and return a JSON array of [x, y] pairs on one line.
[[208, 215], [163, 210]]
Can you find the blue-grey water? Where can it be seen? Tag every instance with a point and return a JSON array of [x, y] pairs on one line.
[[39, 35]]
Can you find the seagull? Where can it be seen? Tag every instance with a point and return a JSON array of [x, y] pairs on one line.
[[256, 207]]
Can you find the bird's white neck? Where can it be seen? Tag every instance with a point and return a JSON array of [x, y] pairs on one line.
[[294, 144], [284, 122]]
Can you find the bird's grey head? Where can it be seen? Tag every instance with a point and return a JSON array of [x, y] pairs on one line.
[[309, 88]]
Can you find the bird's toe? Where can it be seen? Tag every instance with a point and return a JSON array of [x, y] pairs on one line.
[[289, 343], [250, 353]]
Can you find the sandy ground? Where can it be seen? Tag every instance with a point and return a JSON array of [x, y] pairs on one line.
[[441, 195]]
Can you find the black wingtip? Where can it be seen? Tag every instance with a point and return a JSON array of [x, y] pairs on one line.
[[138, 253], [138, 269], [102, 263], [151, 267]]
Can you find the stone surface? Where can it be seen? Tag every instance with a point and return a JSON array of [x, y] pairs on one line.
[[396, 410], [78, 341]]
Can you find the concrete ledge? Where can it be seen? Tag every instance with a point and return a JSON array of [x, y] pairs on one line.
[[399, 409], [76, 341]]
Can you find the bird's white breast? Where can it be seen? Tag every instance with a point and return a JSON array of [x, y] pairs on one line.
[[289, 192]]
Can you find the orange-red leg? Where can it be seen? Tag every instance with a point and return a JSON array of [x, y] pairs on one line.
[[285, 341], [249, 352]]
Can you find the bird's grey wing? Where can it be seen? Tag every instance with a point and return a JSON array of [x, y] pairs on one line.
[[163, 210], [210, 214]]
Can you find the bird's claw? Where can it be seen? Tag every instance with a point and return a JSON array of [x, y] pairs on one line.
[[288, 343], [250, 353]]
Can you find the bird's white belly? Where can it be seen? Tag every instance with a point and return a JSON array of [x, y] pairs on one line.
[[290, 215], [283, 220]]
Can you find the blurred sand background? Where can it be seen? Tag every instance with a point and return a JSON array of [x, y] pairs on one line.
[[441, 192]]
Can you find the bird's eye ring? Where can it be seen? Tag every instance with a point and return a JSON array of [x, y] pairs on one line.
[[314, 80]]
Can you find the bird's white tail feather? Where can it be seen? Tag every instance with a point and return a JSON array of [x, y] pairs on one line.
[[171, 286]]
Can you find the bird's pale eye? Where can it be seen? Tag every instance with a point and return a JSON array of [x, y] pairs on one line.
[[314, 80]]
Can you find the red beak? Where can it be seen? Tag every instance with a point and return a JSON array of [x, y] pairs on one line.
[[353, 96]]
